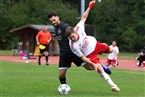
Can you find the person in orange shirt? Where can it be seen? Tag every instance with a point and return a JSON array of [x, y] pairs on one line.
[[43, 38]]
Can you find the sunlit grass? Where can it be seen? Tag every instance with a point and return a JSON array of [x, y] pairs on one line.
[[31, 80]]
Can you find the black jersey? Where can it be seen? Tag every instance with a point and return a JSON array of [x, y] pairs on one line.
[[62, 39]]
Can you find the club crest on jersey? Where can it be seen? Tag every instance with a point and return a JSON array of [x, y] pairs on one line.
[[77, 28], [59, 31], [85, 42]]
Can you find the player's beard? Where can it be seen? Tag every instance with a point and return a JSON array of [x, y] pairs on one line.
[[56, 24]]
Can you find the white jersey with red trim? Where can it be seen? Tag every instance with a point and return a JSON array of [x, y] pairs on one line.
[[115, 51], [85, 44]]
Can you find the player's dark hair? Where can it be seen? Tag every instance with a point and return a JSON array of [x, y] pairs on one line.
[[114, 41], [50, 14], [68, 31]]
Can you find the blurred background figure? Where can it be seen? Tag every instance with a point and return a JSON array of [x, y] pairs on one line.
[[24, 54], [112, 57], [43, 39], [141, 57]]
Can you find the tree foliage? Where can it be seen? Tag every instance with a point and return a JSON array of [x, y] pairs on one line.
[[120, 20], [17, 13]]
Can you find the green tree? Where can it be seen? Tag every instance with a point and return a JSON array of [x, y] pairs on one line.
[[120, 20], [16, 13]]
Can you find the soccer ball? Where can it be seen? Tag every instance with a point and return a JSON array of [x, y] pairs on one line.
[[64, 89], [26, 61]]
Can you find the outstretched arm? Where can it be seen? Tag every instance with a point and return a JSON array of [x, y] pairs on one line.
[[86, 13]]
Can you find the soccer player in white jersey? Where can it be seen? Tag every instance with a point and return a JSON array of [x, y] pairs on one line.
[[87, 48], [112, 57]]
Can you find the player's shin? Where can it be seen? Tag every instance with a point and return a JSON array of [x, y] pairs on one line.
[[62, 80], [107, 78], [46, 57]]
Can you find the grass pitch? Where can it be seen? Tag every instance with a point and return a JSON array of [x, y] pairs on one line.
[[32, 80]]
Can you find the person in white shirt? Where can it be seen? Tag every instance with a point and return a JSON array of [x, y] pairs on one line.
[[87, 48], [112, 57]]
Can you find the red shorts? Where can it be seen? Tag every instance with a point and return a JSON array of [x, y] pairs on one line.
[[100, 48], [111, 61]]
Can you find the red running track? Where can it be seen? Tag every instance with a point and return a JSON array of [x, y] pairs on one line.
[[123, 63]]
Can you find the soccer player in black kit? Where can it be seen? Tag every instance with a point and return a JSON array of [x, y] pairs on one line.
[[66, 55]]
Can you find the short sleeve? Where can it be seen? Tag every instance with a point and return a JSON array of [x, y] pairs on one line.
[[75, 49], [81, 23]]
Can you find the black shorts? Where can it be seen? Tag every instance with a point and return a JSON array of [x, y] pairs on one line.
[[66, 60], [46, 49]]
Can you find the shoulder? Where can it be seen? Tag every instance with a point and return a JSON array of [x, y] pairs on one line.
[[80, 22], [64, 24], [111, 46], [40, 32], [72, 44], [116, 47], [48, 33]]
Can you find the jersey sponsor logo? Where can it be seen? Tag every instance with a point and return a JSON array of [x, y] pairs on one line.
[[59, 31], [77, 28], [58, 35], [85, 42]]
